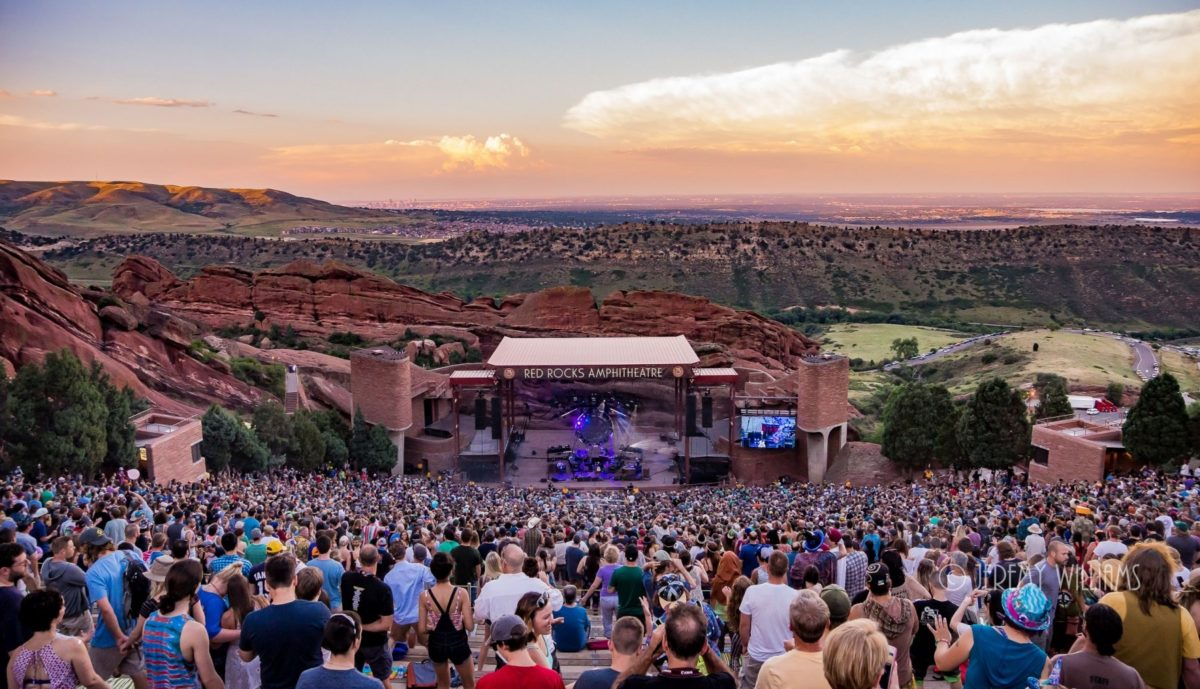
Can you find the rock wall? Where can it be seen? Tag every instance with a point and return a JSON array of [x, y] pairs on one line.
[[317, 300]]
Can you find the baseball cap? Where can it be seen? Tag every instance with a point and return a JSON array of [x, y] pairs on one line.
[[508, 628], [94, 536], [838, 602], [274, 547], [879, 578]]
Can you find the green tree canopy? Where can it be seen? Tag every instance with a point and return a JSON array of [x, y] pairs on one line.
[[120, 436], [905, 348], [994, 429], [1054, 399], [308, 453], [370, 447], [274, 430], [1115, 393], [1156, 430], [920, 424], [57, 420], [228, 444]]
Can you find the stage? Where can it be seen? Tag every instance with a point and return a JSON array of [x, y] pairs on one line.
[[532, 468]]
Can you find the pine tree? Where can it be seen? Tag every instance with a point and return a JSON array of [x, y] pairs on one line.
[[120, 436], [57, 419], [370, 447], [1054, 400], [274, 430], [919, 426], [994, 429], [308, 452], [219, 429], [1156, 430]]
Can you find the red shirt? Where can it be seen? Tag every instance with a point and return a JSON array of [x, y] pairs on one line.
[[509, 677]]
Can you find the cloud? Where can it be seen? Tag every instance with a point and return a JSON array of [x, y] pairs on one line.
[[446, 154], [17, 121], [164, 102], [4, 94], [43, 92], [1093, 82], [239, 111]]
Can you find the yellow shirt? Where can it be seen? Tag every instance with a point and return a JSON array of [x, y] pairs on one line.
[[1149, 644], [793, 670]]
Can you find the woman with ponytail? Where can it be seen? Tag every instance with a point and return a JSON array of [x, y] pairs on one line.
[[176, 645]]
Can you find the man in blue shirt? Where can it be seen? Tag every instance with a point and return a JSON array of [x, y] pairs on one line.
[[407, 580], [111, 651], [230, 544], [749, 554], [571, 635], [331, 570]]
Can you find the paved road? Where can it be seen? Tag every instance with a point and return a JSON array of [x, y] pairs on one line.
[[1144, 360]]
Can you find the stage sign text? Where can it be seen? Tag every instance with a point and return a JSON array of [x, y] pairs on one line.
[[581, 373]]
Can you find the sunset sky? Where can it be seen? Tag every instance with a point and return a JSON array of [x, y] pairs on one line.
[[439, 100]]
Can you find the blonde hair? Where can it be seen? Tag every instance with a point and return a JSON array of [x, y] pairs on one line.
[[611, 554], [854, 655], [228, 573]]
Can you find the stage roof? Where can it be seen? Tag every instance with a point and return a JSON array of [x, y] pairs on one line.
[[593, 351]]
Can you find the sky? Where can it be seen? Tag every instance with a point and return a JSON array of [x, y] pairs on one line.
[[459, 100]]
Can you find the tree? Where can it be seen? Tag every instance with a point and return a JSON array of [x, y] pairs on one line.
[[1054, 400], [274, 430], [308, 453], [919, 426], [994, 429], [57, 421], [1194, 426], [336, 452], [1156, 430], [120, 436], [228, 444], [906, 348], [370, 447], [1115, 393]]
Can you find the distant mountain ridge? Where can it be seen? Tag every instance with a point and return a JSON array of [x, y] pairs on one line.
[[97, 207]]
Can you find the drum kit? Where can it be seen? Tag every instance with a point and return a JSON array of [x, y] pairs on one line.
[[593, 457]]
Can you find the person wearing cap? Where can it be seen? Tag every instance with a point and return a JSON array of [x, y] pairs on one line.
[[258, 573], [682, 638], [801, 667], [838, 602], [62, 574], [1184, 544], [764, 619], [1002, 657], [896, 617], [111, 649], [510, 638]]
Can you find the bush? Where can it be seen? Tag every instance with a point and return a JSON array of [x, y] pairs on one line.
[[346, 339], [1011, 359], [988, 358], [269, 377]]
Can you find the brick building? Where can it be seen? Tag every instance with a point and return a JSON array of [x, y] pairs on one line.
[[168, 447], [1074, 449]]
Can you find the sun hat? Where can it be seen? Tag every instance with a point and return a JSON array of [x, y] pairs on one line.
[[1027, 608], [159, 568], [813, 541], [1035, 529]]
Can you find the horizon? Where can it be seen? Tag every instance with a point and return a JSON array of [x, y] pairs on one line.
[[469, 102]]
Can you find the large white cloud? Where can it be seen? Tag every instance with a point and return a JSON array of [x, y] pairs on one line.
[[1099, 80], [449, 153]]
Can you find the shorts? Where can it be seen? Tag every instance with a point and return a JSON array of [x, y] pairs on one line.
[[377, 658], [109, 662], [451, 648], [80, 626]]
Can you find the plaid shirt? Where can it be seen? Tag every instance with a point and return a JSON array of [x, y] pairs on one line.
[[225, 560], [856, 573]]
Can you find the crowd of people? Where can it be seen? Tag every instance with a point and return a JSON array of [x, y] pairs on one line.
[[297, 580]]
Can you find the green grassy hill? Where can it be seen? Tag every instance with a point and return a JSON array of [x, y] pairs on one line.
[[873, 341]]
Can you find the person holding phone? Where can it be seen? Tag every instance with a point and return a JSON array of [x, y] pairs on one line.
[[1004, 656], [682, 638]]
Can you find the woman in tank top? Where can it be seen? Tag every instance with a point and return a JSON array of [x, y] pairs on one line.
[[444, 622], [47, 660], [175, 645]]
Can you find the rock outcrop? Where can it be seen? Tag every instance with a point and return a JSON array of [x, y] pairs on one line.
[[319, 299], [141, 347]]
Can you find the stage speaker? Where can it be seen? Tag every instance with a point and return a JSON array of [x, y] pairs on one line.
[[496, 418], [480, 414], [690, 423], [706, 411]]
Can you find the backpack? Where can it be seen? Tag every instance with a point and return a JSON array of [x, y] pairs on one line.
[[137, 586]]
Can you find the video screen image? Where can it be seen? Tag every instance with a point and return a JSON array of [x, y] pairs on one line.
[[769, 432]]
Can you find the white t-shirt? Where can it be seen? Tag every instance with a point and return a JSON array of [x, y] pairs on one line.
[[1035, 544], [1110, 548], [915, 555], [958, 587], [500, 596], [768, 605]]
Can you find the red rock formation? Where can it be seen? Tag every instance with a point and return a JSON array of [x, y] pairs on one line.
[[41, 312], [316, 300]]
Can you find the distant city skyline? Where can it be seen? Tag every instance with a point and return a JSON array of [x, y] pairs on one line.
[[479, 100]]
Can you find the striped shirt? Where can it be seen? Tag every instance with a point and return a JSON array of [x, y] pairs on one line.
[[225, 560], [165, 666]]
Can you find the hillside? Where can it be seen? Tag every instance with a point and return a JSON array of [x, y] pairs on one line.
[[1124, 276], [92, 208]]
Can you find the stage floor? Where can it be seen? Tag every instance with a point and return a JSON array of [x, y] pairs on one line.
[[658, 463]]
